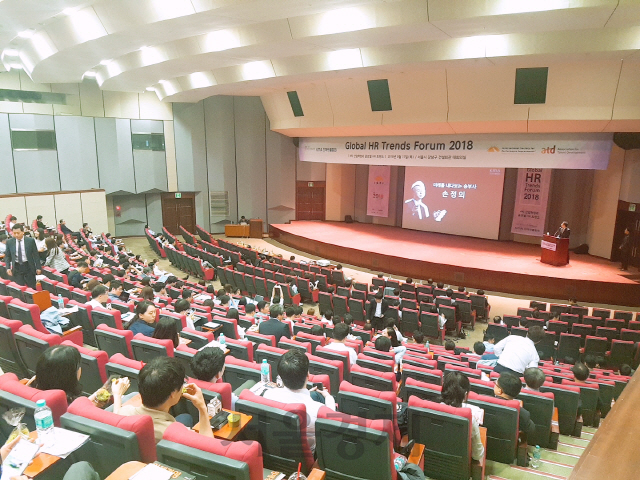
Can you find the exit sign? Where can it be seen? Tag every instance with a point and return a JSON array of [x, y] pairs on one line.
[[178, 195], [632, 207], [310, 184]]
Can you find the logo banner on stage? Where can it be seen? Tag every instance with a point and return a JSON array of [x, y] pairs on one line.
[[532, 194], [378, 195], [588, 151]]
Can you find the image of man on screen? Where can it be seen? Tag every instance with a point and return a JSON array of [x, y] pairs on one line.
[[418, 209]]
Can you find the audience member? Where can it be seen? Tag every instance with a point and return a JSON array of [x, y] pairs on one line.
[[76, 276], [340, 333], [455, 392], [144, 320], [166, 329], [418, 337], [99, 297], [56, 258], [489, 341], [274, 325], [580, 372], [488, 359], [450, 346], [327, 316], [293, 369], [517, 353], [116, 290], [534, 378], [161, 385], [317, 330], [508, 386], [376, 311]]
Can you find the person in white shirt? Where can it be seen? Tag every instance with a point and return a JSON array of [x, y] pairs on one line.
[[455, 391], [293, 368], [340, 333], [327, 317], [99, 297], [517, 353]]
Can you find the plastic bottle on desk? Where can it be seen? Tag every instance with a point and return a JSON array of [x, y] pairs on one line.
[[222, 341], [427, 346], [44, 423], [60, 302], [265, 372]]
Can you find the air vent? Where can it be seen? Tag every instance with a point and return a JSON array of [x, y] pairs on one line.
[[219, 202], [26, 96], [33, 139]]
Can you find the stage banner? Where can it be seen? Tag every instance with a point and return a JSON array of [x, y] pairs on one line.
[[378, 194], [589, 151], [532, 194]]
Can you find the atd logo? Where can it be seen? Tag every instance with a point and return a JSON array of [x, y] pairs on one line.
[[493, 149], [549, 149]]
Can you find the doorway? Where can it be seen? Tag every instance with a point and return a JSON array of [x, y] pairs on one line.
[[179, 211], [310, 200], [629, 218]]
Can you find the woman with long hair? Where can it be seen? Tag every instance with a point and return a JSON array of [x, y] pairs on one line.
[[166, 329], [56, 258], [144, 320], [40, 237], [455, 392], [58, 368], [146, 293]]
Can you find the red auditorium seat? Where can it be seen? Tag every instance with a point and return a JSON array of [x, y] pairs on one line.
[[13, 394]]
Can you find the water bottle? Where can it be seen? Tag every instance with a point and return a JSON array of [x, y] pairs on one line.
[[427, 346], [60, 302], [265, 372], [535, 461], [222, 341], [44, 423], [399, 463]]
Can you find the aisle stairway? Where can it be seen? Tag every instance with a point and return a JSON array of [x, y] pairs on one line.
[[556, 464]]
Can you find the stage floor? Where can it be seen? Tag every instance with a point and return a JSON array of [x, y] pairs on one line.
[[490, 264]]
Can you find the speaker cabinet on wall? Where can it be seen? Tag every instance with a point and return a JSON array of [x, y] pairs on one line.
[[379, 95], [294, 101], [531, 85]]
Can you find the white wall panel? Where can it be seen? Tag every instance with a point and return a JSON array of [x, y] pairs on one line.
[[221, 154], [280, 180], [14, 206], [94, 210], [170, 151], [251, 161], [41, 205], [115, 155], [154, 211], [121, 104], [91, 100], [150, 171], [7, 178], [191, 155], [147, 126], [36, 171], [77, 158], [31, 122], [152, 108], [69, 208]]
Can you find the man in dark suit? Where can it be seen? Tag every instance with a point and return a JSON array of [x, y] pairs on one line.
[[376, 310], [564, 231], [274, 325], [22, 258], [625, 250]]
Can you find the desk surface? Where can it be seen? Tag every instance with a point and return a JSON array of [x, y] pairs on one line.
[[41, 462], [126, 471], [228, 433]]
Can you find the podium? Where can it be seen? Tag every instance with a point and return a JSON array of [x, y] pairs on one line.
[[255, 228], [555, 251]]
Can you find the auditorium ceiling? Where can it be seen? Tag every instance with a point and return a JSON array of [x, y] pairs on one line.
[[187, 50]]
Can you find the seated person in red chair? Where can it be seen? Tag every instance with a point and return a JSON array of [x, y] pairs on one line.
[[455, 391], [293, 368], [161, 385], [208, 365], [144, 321], [58, 368], [534, 378], [508, 386]]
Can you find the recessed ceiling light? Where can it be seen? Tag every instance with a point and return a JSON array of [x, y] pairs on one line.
[[150, 89], [89, 73], [105, 62], [26, 34]]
